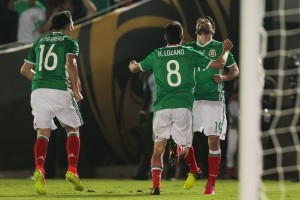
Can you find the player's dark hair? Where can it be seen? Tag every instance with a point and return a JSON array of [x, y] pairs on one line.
[[173, 32], [61, 20], [210, 19]]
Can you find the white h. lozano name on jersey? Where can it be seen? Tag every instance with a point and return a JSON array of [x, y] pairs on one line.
[[170, 52]]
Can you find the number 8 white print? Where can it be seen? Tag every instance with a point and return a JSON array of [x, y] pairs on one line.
[[173, 72], [49, 53]]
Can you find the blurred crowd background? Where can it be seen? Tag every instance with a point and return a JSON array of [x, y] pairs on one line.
[[11, 11]]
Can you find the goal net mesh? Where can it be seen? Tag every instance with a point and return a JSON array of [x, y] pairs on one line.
[[280, 54]]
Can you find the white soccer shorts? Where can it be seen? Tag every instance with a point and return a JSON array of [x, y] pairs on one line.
[[176, 122], [48, 103], [210, 116]]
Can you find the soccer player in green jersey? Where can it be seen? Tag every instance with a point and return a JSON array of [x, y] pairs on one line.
[[209, 107], [54, 59], [173, 67]]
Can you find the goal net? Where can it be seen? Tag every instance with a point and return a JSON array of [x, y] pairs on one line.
[[280, 54], [276, 49]]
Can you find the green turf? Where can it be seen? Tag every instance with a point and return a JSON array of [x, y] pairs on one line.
[[15, 189]]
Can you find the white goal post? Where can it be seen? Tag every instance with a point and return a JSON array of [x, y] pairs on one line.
[[249, 144], [269, 129]]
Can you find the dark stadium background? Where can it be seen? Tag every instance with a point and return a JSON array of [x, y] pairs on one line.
[[112, 95]]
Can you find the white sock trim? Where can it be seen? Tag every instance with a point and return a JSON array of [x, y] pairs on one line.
[[43, 137], [215, 152], [73, 134]]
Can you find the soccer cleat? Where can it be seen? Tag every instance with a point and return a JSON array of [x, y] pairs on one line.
[[189, 183], [74, 179], [39, 182], [174, 154], [155, 191], [209, 189]]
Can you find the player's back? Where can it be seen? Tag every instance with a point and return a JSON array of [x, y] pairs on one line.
[[49, 56], [173, 68]]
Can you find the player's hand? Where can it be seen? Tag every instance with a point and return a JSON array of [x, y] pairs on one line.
[[78, 96], [219, 78], [134, 66], [133, 62], [227, 45]]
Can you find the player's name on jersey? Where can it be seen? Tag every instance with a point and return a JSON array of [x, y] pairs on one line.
[[170, 52], [53, 38]]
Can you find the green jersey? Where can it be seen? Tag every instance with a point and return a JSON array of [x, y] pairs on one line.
[[206, 88], [49, 55], [173, 68]]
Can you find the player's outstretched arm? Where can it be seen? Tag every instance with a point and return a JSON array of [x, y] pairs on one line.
[[220, 62], [27, 71], [134, 66]]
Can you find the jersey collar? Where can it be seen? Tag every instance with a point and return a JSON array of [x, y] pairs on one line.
[[173, 45], [207, 43], [57, 32]]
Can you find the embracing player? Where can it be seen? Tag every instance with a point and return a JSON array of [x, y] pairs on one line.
[[209, 107], [173, 67]]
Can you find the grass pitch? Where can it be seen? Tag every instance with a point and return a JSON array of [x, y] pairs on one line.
[[23, 189]]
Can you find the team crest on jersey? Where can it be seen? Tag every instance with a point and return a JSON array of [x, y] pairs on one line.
[[212, 53]]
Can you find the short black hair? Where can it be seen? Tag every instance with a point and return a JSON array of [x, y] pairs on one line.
[[210, 19], [61, 20], [173, 32]]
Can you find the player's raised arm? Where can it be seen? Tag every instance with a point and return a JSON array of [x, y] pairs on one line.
[[220, 62], [134, 66]]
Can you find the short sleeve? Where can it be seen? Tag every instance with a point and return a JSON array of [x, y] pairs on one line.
[[72, 47], [147, 63], [230, 60], [31, 57]]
